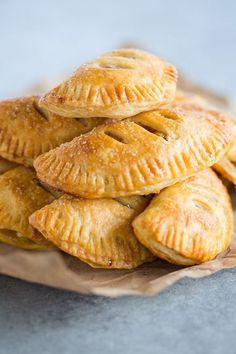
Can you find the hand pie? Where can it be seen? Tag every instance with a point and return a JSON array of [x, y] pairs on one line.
[[141, 155], [27, 131], [118, 84], [189, 222], [20, 196], [226, 166], [98, 232]]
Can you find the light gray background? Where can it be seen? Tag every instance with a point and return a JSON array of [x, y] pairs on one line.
[[48, 38]]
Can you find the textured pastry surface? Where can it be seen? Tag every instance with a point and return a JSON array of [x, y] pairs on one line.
[[140, 155], [189, 222], [20, 196], [27, 131], [117, 84], [99, 232], [226, 168], [185, 98]]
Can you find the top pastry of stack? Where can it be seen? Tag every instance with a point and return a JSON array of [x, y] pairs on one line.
[[136, 142]]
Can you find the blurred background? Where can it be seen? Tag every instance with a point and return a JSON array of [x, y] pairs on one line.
[[48, 39]]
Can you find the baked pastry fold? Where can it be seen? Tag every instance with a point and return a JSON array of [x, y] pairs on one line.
[[98, 231], [140, 155], [6, 165], [117, 84], [188, 223], [26, 130], [20, 196]]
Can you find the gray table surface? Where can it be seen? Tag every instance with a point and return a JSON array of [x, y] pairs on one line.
[[46, 38]]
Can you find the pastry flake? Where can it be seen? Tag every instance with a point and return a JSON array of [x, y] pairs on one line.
[[20, 196], [140, 155], [188, 223], [98, 231], [117, 84], [26, 130]]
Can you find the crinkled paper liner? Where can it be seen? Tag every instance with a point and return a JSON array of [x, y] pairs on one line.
[[59, 270]]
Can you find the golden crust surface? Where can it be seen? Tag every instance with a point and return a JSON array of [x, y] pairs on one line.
[[226, 168], [141, 155], [188, 98], [189, 222], [14, 239], [98, 232], [117, 84], [26, 130], [6, 165], [20, 196]]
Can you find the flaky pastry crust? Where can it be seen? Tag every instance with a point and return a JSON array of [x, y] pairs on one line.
[[141, 155], [98, 232], [26, 130], [6, 165], [117, 84], [20, 196], [189, 222]]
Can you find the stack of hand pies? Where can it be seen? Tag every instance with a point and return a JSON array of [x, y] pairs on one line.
[[114, 166]]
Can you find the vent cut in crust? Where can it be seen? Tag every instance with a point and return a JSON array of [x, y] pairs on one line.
[[141, 155], [20, 196], [118, 84], [190, 222], [98, 232], [26, 130]]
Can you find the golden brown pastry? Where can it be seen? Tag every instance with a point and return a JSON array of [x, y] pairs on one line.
[[20, 196], [6, 165], [188, 98], [117, 84], [189, 222], [226, 168], [227, 165], [98, 232], [27, 131], [141, 155]]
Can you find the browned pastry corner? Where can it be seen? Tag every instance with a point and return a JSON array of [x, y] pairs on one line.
[[98, 231], [189, 222], [20, 196], [26, 130], [117, 84], [141, 155]]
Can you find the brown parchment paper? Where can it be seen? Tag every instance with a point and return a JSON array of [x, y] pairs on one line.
[[59, 270]]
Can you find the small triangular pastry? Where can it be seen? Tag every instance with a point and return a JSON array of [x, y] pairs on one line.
[[189, 222], [141, 155], [20, 196], [117, 84], [98, 232], [27, 131]]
